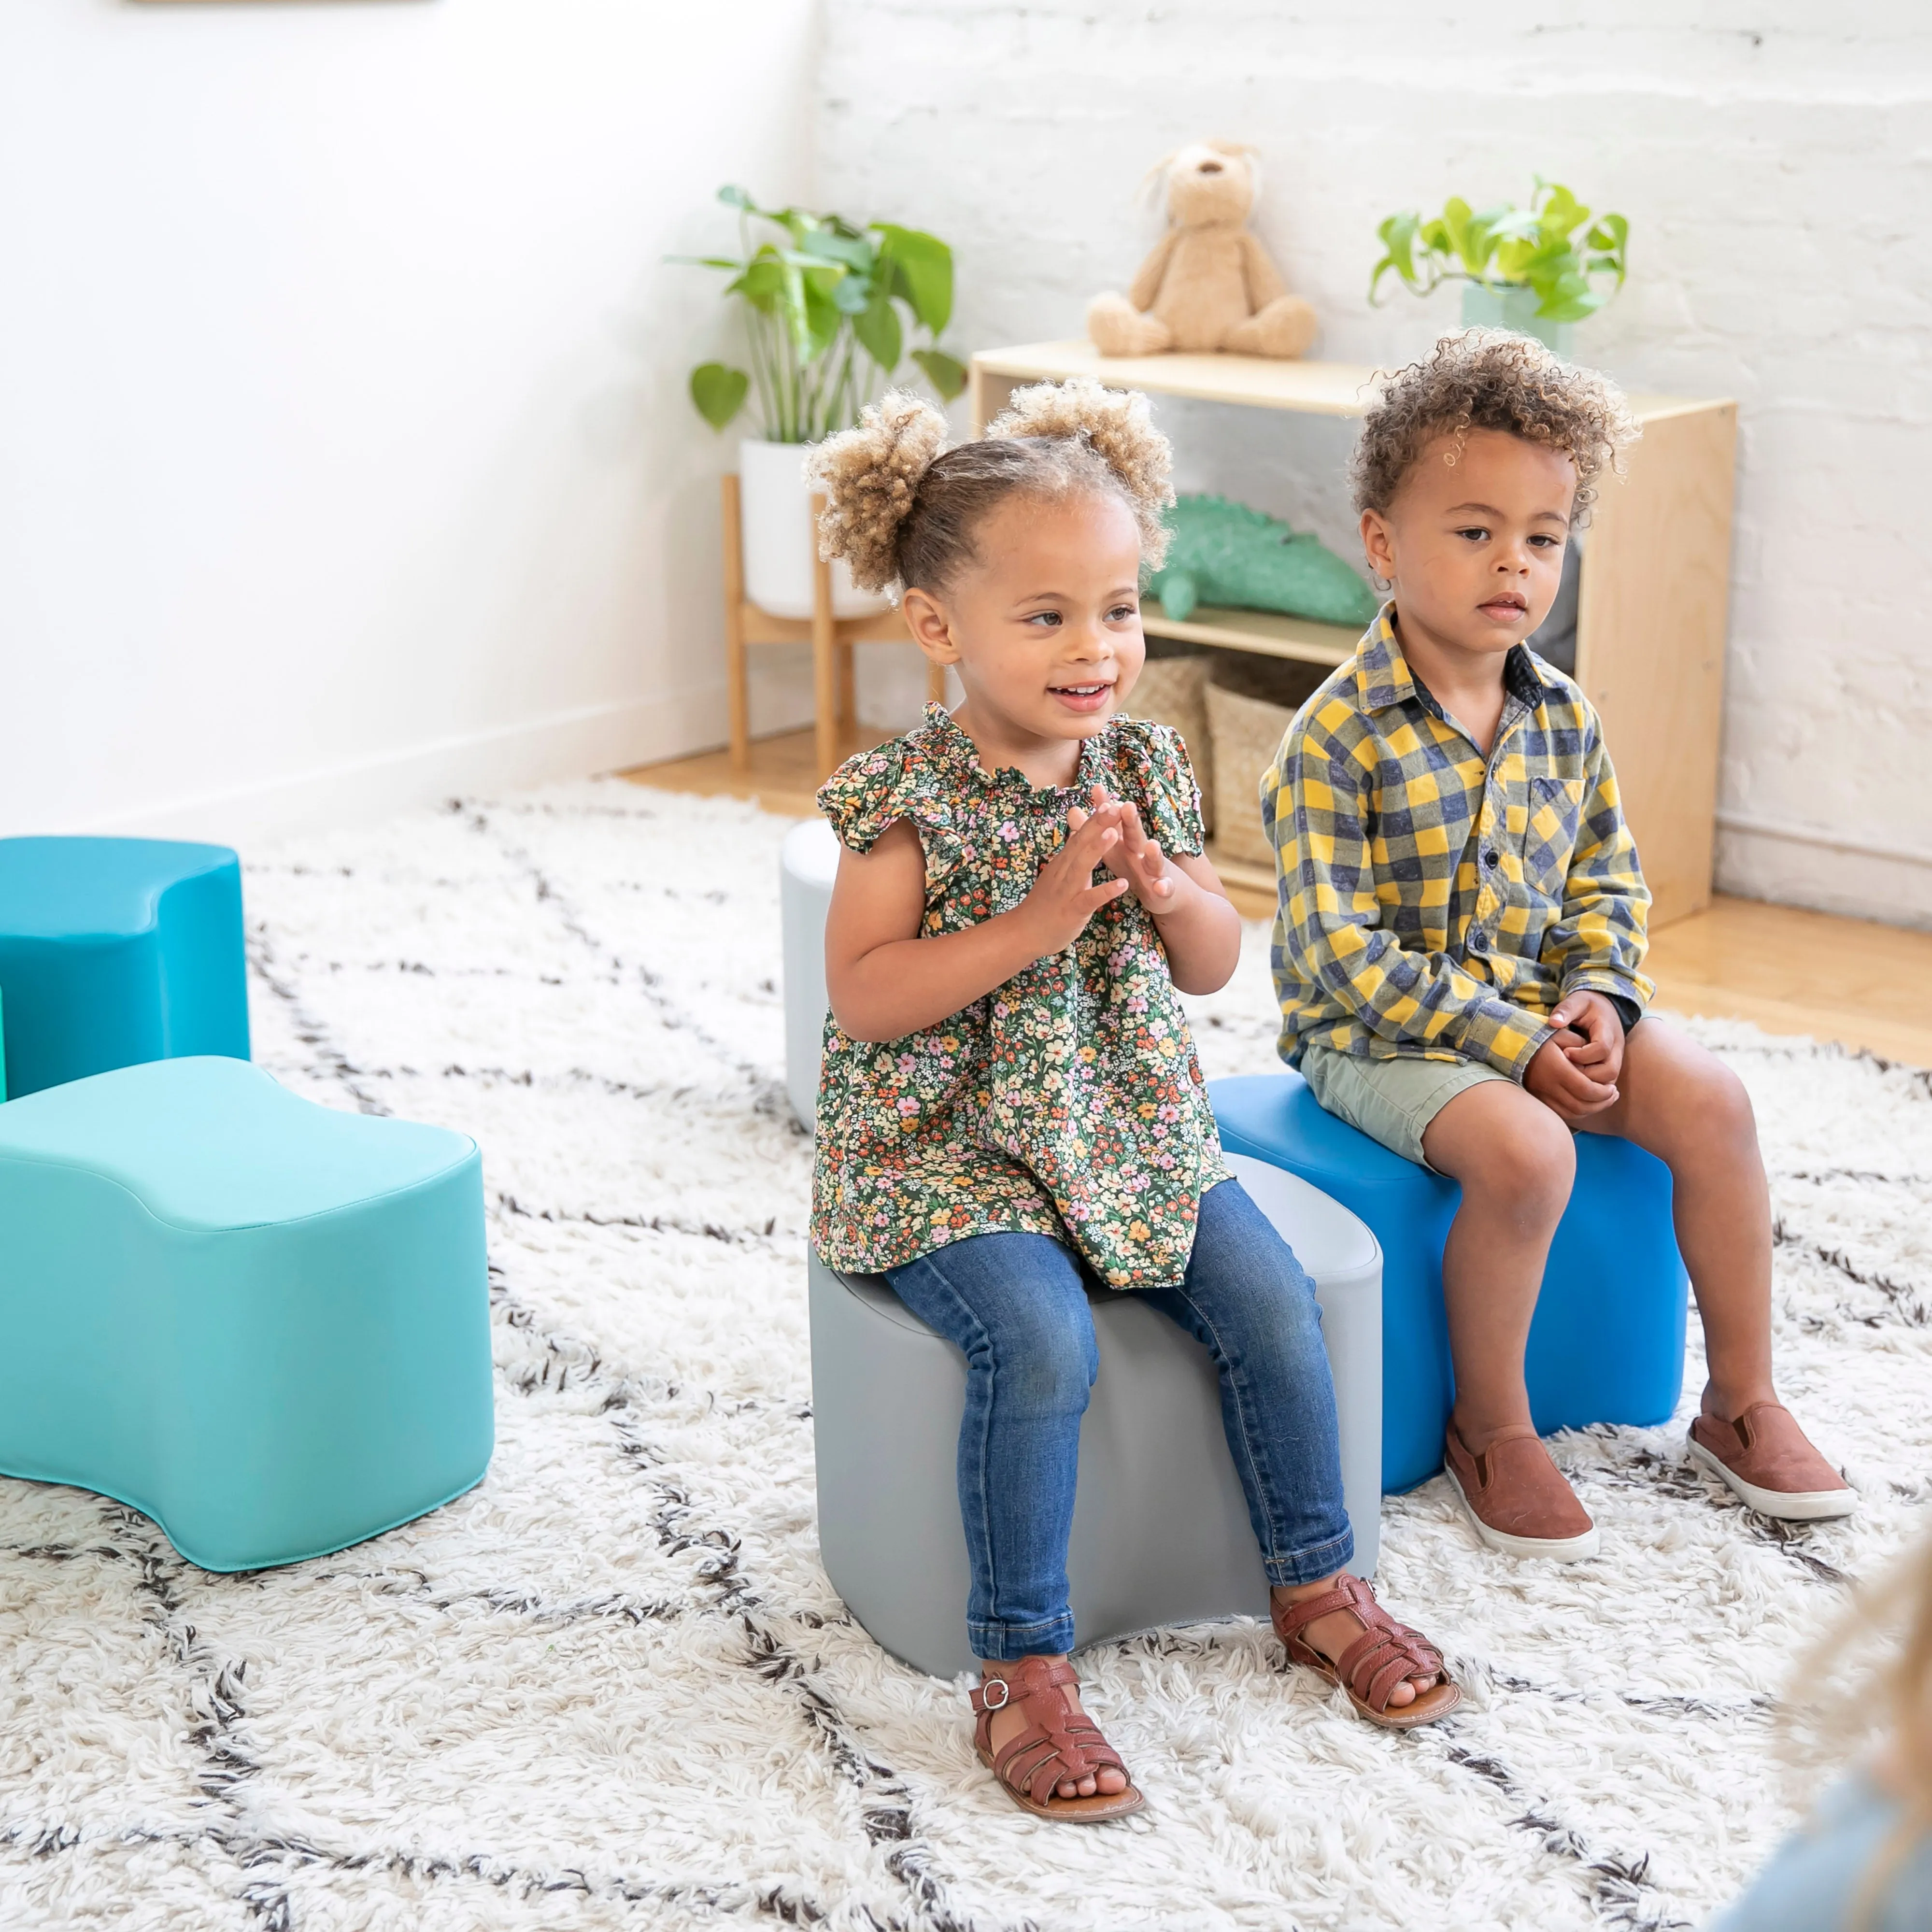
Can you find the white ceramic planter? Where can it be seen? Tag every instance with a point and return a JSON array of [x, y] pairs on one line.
[[774, 508]]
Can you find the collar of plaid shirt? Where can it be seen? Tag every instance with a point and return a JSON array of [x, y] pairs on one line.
[[1383, 677]]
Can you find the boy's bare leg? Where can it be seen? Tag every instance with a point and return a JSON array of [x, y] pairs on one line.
[[1516, 1161], [1681, 1103]]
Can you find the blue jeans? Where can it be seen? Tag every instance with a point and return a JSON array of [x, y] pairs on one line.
[[1016, 1305]]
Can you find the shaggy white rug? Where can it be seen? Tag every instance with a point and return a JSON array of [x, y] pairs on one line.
[[611, 1687]]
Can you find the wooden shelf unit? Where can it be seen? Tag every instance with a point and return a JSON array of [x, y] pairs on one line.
[[1265, 632], [1653, 596]]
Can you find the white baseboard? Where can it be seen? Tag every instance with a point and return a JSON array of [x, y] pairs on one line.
[[574, 743], [566, 744], [1790, 865]]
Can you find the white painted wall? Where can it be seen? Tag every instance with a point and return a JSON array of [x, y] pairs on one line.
[[344, 454], [1775, 160]]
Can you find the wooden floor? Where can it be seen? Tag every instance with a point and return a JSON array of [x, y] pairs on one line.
[[783, 776], [1788, 971]]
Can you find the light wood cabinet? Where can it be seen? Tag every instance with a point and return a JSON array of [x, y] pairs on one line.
[[1653, 597]]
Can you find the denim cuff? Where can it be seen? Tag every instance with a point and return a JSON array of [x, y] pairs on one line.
[[1309, 1566], [1007, 1643]]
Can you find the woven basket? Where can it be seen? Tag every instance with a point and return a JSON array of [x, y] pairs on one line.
[[1247, 733], [1173, 690], [1251, 703]]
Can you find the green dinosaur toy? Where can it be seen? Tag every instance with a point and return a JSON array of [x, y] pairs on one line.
[[1225, 552]]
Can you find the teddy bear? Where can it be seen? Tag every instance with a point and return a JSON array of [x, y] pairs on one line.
[[1209, 283]]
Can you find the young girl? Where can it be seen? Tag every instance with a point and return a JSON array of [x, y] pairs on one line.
[[1009, 1109]]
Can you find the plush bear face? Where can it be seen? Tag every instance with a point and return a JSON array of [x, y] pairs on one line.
[[1209, 184]]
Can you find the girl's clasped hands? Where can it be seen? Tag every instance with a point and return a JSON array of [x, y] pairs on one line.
[[1110, 835]]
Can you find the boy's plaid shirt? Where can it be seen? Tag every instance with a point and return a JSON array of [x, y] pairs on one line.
[[1434, 905]]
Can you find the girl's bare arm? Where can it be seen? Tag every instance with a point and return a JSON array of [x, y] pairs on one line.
[[1202, 933], [886, 980]]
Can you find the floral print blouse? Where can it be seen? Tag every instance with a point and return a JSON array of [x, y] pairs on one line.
[[1067, 1102]]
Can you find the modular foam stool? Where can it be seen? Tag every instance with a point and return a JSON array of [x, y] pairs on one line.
[[262, 1322], [808, 862], [1161, 1534], [116, 951], [1606, 1344]]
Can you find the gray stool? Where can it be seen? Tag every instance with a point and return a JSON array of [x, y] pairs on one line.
[[1161, 1534]]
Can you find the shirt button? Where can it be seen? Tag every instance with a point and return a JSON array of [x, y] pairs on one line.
[[1491, 858], [1477, 944]]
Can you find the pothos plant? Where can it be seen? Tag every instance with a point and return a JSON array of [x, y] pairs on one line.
[[828, 306], [1554, 246]]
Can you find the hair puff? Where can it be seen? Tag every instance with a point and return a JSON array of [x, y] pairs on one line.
[[869, 476], [1118, 425]]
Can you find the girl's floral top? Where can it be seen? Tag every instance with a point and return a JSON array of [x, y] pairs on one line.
[[1066, 1103]]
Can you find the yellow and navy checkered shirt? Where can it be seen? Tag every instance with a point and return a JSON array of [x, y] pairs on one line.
[[1435, 904]]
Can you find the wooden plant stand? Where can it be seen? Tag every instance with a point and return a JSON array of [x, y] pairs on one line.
[[834, 697], [1654, 593]]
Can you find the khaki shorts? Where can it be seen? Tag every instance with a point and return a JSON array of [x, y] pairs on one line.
[[1392, 1101]]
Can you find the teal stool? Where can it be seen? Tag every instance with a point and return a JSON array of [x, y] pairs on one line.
[[114, 951], [1606, 1341], [262, 1322]]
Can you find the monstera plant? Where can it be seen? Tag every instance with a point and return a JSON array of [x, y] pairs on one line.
[[1539, 268], [831, 309]]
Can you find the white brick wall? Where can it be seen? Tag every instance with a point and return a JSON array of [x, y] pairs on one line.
[[1776, 164]]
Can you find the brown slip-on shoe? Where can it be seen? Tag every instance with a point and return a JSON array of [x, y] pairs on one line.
[[1517, 1497], [1767, 1460]]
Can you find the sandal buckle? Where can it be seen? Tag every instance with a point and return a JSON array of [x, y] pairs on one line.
[[986, 1690]]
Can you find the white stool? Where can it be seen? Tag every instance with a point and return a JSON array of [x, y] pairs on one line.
[[1161, 1534], [807, 862]]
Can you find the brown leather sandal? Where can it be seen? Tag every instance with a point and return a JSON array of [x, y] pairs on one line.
[[1385, 1654], [1056, 1745]]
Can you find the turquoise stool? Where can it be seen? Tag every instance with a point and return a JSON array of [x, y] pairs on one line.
[[114, 951], [262, 1322], [1606, 1343]]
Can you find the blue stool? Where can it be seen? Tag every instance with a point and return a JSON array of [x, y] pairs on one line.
[[115, 951], [262, 1322], [1606, 1343]]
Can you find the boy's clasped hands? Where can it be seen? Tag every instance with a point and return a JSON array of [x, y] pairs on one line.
[[1574, 1072]]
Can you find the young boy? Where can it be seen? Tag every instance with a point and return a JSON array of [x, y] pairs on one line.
[[1458, 949]]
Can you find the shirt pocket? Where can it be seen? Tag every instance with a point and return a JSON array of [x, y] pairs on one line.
[[1555, 810]]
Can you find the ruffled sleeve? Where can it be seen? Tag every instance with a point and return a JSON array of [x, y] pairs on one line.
[[867, 793], [1150, 767], [873, 789]]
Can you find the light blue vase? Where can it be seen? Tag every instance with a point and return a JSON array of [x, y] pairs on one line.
[[1506, 305]]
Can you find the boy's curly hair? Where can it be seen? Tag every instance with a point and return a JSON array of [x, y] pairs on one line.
[[901, 509], [1490, 378]]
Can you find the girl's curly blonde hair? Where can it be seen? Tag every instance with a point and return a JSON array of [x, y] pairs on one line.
[[1490, 378], [901, 509]]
